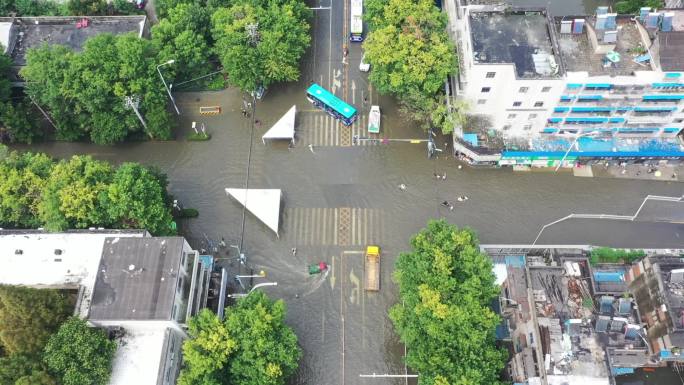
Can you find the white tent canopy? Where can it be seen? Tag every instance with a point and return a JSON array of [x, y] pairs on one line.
[[284, 127], [263, 203]]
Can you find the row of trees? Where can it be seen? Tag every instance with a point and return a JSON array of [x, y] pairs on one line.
[[446, 286], [36, 191], [412, 56], [633, 6], [67, 8], [40, 345], [85, 93], [252, 346], [257, 42]]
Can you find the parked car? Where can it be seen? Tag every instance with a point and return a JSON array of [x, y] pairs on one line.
[[363, 66]]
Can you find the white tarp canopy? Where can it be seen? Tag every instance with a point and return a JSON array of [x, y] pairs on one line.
[[284, 127], [263, 203]]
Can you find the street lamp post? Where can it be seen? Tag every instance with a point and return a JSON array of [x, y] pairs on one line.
[[571, 146], [242, 295], [166, 86], [261, 274]]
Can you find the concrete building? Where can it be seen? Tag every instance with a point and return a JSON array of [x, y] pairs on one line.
[[658, 286], [605, 85], [19, 34], [140, 288], [570, 322]]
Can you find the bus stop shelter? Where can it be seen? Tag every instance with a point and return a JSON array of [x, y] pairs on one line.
[[284, 127]]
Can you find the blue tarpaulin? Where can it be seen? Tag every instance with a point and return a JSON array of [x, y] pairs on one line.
[[609, 276], [515, 260], [621, 371]]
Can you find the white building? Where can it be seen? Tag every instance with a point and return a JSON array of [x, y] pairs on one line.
[[540, 81], [141, 288]]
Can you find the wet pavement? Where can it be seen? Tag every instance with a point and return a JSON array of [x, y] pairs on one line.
[[341, 197]]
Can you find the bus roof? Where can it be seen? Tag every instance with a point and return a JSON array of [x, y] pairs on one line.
[[331, 100], [356, 16]]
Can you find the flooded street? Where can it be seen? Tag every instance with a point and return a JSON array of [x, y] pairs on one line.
[[339, 197]]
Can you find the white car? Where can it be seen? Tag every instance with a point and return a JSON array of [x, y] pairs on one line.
[[363, 66]]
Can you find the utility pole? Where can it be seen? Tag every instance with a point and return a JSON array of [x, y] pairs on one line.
[[44, 113], [132, 102]]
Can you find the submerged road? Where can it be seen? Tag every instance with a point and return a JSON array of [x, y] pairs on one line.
[[341, 197]]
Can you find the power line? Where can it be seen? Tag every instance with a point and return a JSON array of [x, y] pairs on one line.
[[249, 162]]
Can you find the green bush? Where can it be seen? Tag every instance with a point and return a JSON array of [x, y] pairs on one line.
[[198, 137], [610, 255]]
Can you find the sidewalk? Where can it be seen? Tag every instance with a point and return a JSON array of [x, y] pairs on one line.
[[667, 173]]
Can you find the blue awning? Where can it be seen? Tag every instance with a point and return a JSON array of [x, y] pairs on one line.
[[663, 97], [586, 120], [574, 85], [654, 109], [555, 120], [566, 98], [671, 75], [591, 109], [589, 97], [561, 109], [624, 108], [549, 130], [671, 129], [599, 85], [667, 85], [616, 120]]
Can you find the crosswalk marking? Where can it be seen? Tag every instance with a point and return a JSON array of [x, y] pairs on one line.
[[325, 226], [322, 130]]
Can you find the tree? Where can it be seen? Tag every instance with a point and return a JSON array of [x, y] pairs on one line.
[[74, 194], [633, 6], [85, 93], [16, 121], [45, 74], [79, 354], [445, 286], [28, 317], [259, 42], [24, 178], [136, 198], [253, 346], [183, 36], [412, 56]]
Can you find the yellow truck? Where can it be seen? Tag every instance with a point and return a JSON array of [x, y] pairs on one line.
[[372, 268]]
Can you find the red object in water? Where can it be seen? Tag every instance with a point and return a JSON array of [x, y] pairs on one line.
[[322, 266]]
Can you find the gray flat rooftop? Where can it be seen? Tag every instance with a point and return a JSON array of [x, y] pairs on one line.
[[515, 37], [64, 31], [136, 279], [671, 50], [578, 54]]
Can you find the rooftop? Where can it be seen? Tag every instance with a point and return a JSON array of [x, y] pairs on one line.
[[137, 278], [518, 37], [580, 55], [60, 260], [138, 356], [23, 33]]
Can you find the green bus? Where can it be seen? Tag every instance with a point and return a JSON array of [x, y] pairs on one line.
[[321, 98]]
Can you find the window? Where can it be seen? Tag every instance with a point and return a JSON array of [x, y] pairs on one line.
[[527, 127], [506, 127], [546, 89], [490, 75], [481, 101], [511, 116], [678, 120], [486, 89], [538, 104], [523, 90], [532, 116], [517, 104]]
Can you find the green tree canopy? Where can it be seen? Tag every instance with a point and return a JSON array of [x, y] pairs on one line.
[[24, 178], [29, 316], [85, 93], [446, 285], [412, 56], [137, 199], [260, 42], [184, 36], [633, 6], [81, 192], [79, 354], [253, 346]]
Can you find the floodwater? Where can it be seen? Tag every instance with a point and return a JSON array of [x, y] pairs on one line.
[[338, 198]]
